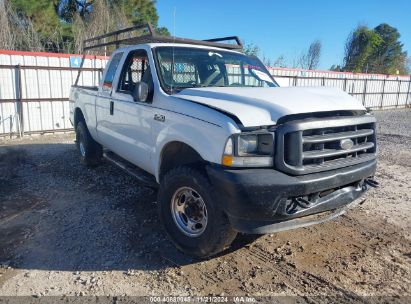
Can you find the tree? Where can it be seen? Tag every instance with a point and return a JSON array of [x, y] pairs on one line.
[[388, 57], [336, 68], [102, 16], [310, 59], [16, 31], [102, 19], [266, 61], [42, 14], [62, 24], [280, 62], [250, 49], [139, 11], [375, 50], [162, 31], [68, 9], [6, 28], [136, 11], [359, 47]]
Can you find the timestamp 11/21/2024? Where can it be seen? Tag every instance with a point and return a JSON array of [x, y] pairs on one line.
[[202, 299]]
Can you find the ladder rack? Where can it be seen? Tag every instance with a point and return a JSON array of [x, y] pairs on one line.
[[145, 34], [140, 34]]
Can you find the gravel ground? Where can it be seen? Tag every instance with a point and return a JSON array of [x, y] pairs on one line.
[[67, 230]]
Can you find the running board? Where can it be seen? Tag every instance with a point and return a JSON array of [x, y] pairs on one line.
[[141, 175]]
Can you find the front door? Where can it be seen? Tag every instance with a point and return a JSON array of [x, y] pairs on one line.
[[132, 119]]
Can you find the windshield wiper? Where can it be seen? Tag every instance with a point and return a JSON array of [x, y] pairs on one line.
[[191, 86]]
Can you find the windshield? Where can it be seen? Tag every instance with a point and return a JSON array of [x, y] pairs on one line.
[[194, 68]]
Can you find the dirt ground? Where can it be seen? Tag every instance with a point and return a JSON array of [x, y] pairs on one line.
[[68, 230]]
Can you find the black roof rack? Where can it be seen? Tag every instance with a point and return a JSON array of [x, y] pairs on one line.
[[140, 34]]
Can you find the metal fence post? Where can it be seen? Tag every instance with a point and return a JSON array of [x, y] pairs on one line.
[[364, 91], [409, 92], [398, 93], [382, 94], [11, 126], [19, 97]]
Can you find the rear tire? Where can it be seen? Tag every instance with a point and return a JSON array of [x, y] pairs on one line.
[[90, 151], [192, 217]]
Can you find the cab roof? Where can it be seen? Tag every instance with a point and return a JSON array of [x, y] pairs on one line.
[[185, 45]]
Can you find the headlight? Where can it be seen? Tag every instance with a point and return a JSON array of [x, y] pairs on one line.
[[247, 144], [249, 150]]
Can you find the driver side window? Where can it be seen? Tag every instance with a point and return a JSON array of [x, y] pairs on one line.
[[135, 69]]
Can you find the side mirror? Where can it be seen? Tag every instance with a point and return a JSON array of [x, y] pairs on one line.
[[140, 92]]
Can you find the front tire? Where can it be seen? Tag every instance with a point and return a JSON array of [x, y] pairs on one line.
[[191, 216], [90, 150]]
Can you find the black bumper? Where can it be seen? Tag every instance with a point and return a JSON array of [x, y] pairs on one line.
[[265, 200]]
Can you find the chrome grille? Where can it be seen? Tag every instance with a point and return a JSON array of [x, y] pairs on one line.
[[314, 145]]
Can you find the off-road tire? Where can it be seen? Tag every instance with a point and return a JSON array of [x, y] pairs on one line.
[[90, 151], [218, 234]]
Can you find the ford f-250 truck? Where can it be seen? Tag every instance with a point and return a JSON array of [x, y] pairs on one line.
[[230, 149]]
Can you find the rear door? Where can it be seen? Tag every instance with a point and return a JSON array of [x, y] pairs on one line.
[[132, 120], [105, 104]]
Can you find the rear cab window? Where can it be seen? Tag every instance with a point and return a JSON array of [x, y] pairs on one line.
[[111, 72]]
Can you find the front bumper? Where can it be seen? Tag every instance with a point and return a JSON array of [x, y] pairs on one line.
[[265, 200]]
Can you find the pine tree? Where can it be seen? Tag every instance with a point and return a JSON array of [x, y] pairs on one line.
[[377, 50]]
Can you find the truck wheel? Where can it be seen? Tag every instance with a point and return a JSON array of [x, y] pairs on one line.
[[90, 150], [191, 216]]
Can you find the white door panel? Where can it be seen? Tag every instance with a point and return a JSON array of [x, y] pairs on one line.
[[132, 127], [131, 122], [104, 121]]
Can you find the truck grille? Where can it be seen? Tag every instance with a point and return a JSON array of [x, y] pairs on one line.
[[314, 145]]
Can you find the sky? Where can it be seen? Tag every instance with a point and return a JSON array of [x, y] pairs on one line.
[[285, 27]]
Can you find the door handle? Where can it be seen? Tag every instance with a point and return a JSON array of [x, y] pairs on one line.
[[111, 107]]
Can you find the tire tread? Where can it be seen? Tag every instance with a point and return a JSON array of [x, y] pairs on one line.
[[94, 150], [218, 241]]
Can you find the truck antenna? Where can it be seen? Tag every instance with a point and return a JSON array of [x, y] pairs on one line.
[[174, 41]]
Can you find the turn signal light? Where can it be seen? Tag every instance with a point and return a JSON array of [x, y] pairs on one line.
[[227, 160]]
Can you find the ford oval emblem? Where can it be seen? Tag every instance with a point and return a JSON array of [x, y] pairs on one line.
[[346, 144]]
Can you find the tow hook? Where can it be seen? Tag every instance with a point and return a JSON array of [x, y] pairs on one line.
[[303, 203], [296, 204], [371, 182]]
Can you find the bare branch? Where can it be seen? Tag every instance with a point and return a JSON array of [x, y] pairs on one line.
[[16, 31], [311, 59], [280, 62], [103, 19]]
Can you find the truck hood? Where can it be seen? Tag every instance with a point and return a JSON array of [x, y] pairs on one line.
[[264, 106]]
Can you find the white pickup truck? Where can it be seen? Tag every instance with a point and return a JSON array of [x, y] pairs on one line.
[[230, 149]]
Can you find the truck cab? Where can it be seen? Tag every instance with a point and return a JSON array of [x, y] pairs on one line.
[[229, 150]]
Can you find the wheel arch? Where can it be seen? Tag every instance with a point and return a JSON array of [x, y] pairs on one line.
[[177, 153], [78, 116]]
